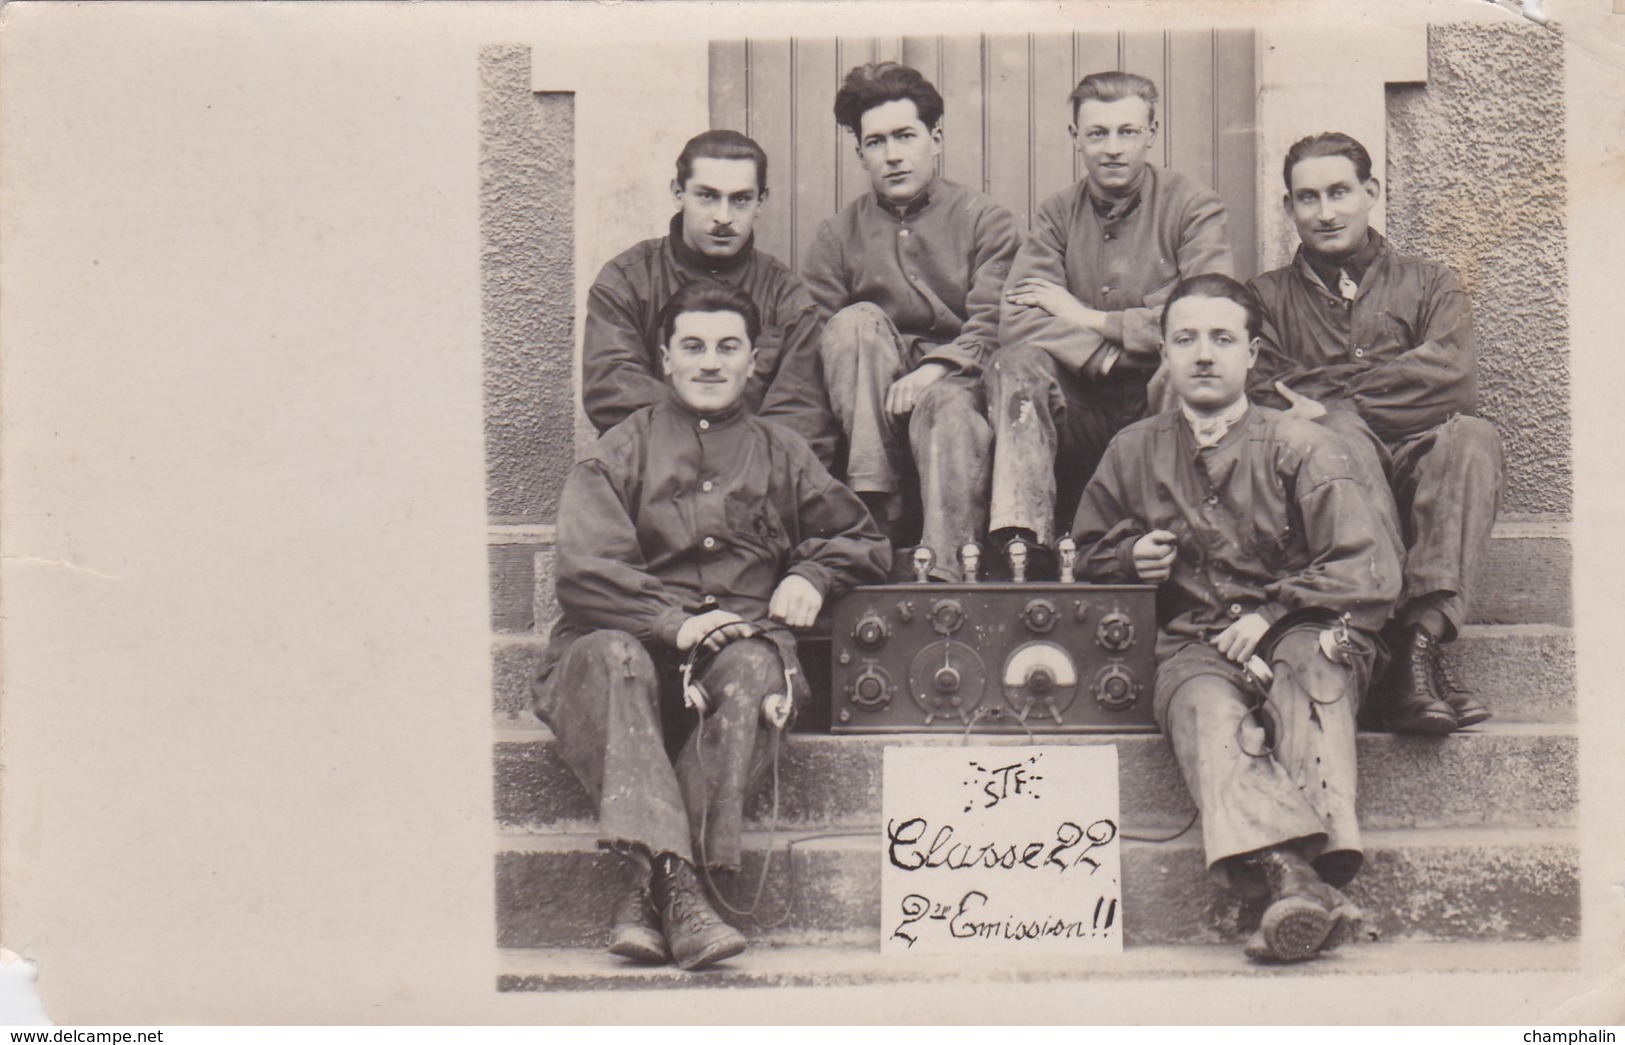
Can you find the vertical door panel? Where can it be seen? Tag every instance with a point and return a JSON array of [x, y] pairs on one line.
[[1005, 115], [818, 146], [1009, 131], [1187, 91], [770, 124]]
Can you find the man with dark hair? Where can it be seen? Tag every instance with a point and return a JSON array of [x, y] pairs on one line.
[[1379, 347], [689, 539], [1078, 328], [1274, 580], [908, 276], [720, 188]]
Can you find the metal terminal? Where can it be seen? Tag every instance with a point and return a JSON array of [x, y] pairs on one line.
[[1015, 553], [1067, 549], [970, 561], [924, 559]]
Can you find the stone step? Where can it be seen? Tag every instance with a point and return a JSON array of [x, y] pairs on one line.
[[1497, 774], [557, 890], [859, 963], [1528, 573]]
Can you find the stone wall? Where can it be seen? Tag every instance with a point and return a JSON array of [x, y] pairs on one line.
[[527, 220], [1476, 180]]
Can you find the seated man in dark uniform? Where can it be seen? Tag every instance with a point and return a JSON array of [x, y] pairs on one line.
[[1264, 545], [720, 190], [691, 535], [1378, 346]]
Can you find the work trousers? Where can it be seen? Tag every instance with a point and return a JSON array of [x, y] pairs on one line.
[[1050, 430], [1285, 775], [1447, 484], [617, 713], [943, 446]]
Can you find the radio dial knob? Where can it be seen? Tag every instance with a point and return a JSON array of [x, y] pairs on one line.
[[947, 680], [871, 690], [1040, 681], [871, 631], [1115, 689], [1116, 632], [1039, 615]]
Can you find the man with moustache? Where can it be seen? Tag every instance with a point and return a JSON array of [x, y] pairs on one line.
[[1379, 347], [1078, 326], [908, 276], [1264, 545], [720, 189], [689, 539]]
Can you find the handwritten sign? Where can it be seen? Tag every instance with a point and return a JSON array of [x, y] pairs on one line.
[[1007, 850]]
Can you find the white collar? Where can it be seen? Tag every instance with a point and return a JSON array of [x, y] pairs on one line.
[[1209, 430]]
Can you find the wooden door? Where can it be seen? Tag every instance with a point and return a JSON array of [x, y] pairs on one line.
[[1005, 118]]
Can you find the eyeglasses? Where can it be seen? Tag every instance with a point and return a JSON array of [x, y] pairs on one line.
[[1126, 135]]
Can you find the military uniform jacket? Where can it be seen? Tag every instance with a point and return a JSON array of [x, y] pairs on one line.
[[1126, 263], [620, 351], [673, 514], [1269, 521], [937, 273], [1401, 353]]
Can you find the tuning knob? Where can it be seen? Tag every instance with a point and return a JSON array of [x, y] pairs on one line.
[[1115, 632], [1039, 615], [1115, 688], [871, 690], [871, 631], [947, 615]]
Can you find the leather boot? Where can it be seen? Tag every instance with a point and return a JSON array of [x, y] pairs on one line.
[[1469, 711], [635, 929], [1305, 915], [1414, 685], [696, 935]]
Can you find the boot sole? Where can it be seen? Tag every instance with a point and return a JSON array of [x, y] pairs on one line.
[[1295, 929], [1430, 724], [718, 950], [640, 945]]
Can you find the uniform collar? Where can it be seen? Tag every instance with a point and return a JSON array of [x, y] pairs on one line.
[[1109, 208], [704, 422], [1356, 264], [915, 207], [693, 259], [1210, 431]]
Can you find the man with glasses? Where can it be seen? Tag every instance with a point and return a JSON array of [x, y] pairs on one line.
[[1079, 323]]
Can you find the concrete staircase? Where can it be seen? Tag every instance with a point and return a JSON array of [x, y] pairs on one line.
[[1471, 846]]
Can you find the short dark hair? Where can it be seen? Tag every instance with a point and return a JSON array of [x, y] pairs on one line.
[[1113, 87], [1331, 143], [1217, 285], [705, 295], [877, 83], [721, 145]]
